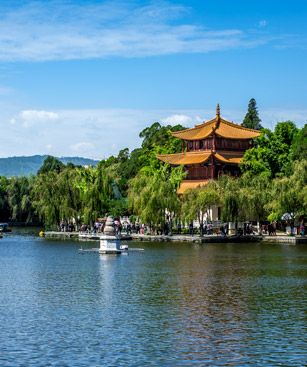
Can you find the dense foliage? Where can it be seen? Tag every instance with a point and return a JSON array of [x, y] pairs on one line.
[[299, 145], [153, 197], [274, 151]]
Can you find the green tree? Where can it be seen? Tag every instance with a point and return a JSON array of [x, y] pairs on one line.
[[299, 146], [152, 195], [255, 191], [251, 119], [272, 151], [75, 193], [96, 192], [190, 208], [197, 203], [155, 139], [46, 199], [158, 135], [56, 196], [289, 194], [18, 195], [4, 205], [51, 164], [231, 199], [70, 199]]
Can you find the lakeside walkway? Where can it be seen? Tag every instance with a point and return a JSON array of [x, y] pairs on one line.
[[185, 238]]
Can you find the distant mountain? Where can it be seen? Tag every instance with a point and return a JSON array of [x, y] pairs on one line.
[[25, 166]]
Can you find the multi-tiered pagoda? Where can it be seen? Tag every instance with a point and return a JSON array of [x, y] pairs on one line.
[[210, 149]]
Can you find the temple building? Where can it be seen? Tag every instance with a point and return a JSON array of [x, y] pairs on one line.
[[210, 149]]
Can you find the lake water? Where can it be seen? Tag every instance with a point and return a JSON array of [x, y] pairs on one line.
[[171, 305]]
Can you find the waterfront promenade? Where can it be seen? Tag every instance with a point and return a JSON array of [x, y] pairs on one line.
[[186, 238]]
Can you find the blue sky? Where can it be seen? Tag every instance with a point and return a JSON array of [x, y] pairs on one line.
[[84, 77]]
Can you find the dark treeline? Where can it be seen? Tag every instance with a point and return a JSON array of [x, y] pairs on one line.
[[273, 182]]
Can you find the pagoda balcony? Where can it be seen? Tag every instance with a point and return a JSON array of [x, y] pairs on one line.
[[219, 144], [198, 173]]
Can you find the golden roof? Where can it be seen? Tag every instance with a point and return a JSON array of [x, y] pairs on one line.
[[190, 184], [229, 157], [219, 127], [185, 158], [200, 157]]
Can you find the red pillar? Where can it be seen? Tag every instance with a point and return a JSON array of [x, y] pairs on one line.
[[212, 167]]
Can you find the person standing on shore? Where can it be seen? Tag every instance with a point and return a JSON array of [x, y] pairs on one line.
[[191, 228], [302, 229]]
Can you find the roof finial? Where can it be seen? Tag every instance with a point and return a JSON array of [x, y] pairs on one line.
[[218, 112]]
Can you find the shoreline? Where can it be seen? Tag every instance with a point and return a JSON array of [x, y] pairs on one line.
[[289, 240]]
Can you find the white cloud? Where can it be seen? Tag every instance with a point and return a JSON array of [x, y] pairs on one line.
[[177, 119], [271, 116], [30, 117], [100, 30], [34, 115]]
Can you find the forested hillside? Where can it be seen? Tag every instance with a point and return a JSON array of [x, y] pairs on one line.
[[25, 166]]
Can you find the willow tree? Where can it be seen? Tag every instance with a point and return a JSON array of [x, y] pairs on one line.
[[190, 205], [82, 194], [56, 196], [209, 197], [70, 198], [232, 199], [4, 206], [289, 194], [96, 192], [46, 199], [198, 203], [18, 197], [152, 195], [255, 191]]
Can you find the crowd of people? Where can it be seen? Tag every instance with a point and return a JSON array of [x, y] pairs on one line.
[[269, 229], [67, 226], [167, 228], [119, 227]]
